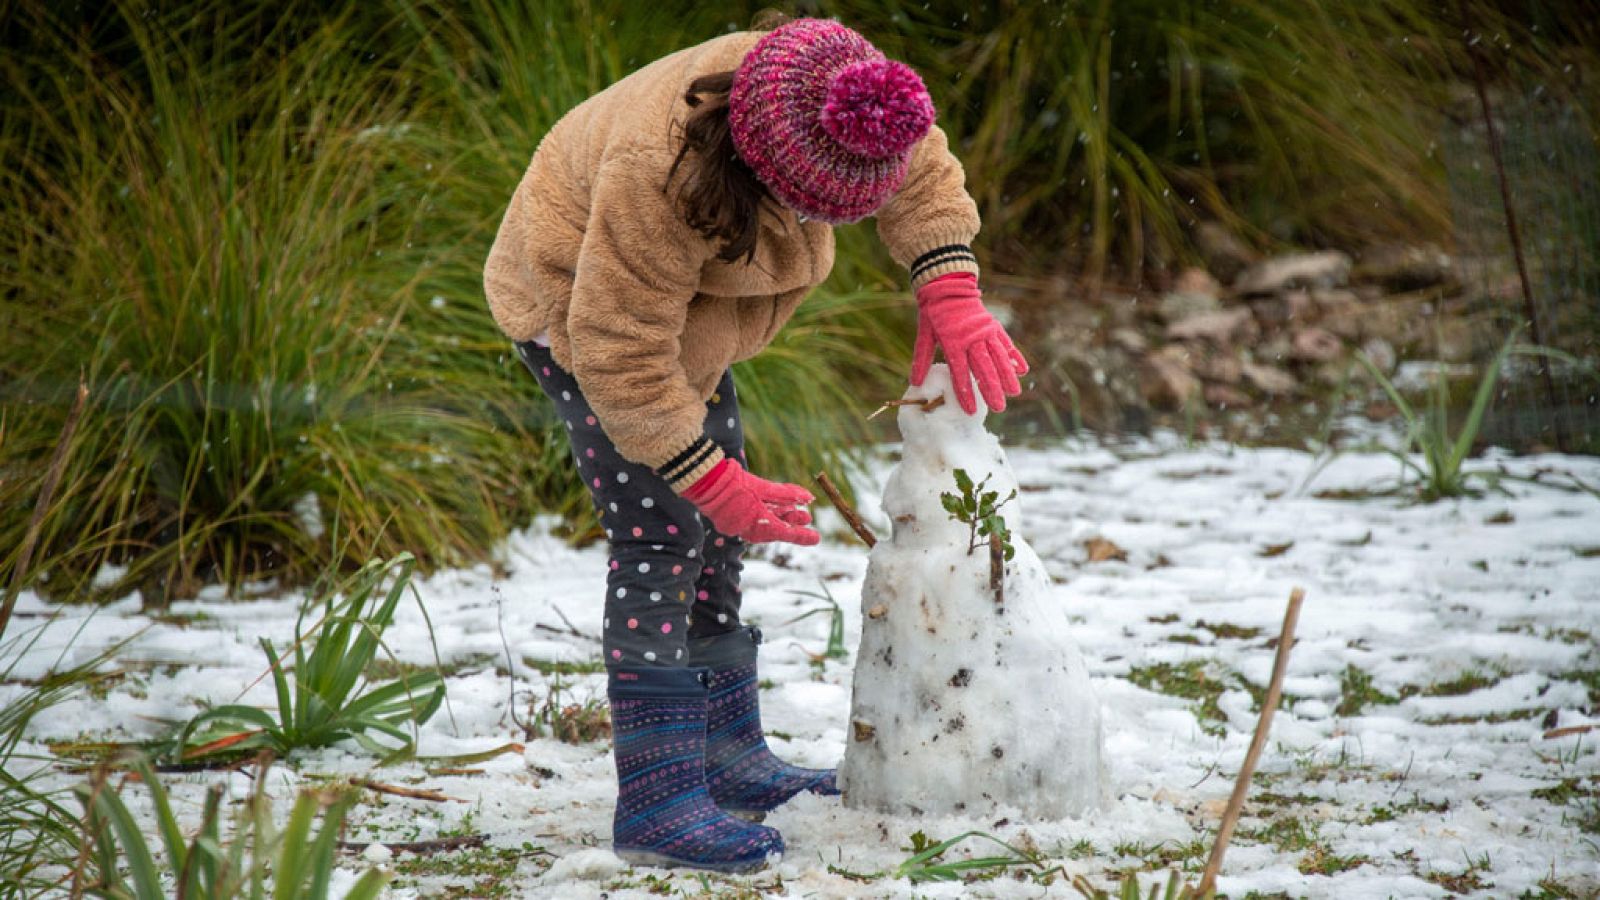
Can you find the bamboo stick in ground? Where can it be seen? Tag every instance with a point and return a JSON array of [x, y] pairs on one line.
[[846, 510], [1269, 705]]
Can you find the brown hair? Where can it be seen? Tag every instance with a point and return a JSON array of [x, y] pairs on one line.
[[721, 197]]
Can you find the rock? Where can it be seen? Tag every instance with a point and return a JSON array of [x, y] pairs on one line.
[[377, 854], [1341, 312], [1195, 280], [1315, 345], [1221, 366], [1222, 250], [1225, 397], [1329, 268], [1165, 380], [1129, 340], [1175, 306], [1399, 267], [1268, 379], [1456, 339], [1381, 353], [1222, 327], [1300, 305], [1275, 349], [1400, 324]]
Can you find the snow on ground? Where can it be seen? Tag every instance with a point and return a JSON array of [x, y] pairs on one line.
[[1437, 645]]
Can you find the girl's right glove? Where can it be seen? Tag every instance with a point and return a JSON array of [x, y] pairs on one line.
[[952, 316], [742, 505]]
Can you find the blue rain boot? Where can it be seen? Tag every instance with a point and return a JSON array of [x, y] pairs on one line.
[[665, 816], [741, 772]]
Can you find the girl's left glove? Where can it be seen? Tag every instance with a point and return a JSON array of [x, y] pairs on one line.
[[951, 315]]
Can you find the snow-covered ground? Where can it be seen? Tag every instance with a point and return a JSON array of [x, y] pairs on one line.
[[1474, 620]]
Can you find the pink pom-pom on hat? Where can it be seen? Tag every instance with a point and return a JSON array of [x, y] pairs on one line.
[[825, 120], [877, 108]]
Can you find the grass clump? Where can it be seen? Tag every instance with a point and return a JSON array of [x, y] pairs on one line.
[[1191, 680], [324, 696], [1442, 474], [246, 860], [1357, 692], [39, 832], [218, 232]]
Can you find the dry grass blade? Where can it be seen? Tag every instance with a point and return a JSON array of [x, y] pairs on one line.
[[52, 478]]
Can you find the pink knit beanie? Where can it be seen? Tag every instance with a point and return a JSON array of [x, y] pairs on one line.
[[825, 120]]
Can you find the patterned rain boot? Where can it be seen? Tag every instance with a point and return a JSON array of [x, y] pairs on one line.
[[743, 775], [665, 817]]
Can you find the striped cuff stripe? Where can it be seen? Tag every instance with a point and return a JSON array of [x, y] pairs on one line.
[[942, 260], [704, 454], [694, 447], [940, 256]]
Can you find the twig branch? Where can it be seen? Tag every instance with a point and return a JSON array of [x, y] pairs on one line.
[[52, 477], [1269, 705], [437, 845], [846, 510], [1554, 733], [997, 568], [928, 405], [1513, 229], [398, 791]]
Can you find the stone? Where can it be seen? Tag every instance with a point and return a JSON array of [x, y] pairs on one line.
[[1222, 327], [1381, 353], [1400, 267], [1268, 379], [1315, 345], [1224, 254], [1165, 380], [1300, 306], [1275, 349], [1195, 280], [1129, 340], [1224, 396], [1175, 306], [1220, 366], [1329, 268], [1341, 312]]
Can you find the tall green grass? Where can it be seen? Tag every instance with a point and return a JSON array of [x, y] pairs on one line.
[[229, 259], [39, 833], [253, 857]]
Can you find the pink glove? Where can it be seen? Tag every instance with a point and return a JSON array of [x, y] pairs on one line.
[[755, 509], [951, 315]]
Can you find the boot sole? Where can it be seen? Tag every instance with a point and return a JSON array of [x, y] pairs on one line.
[[635, 856]]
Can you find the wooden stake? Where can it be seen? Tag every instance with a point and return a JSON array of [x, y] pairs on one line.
[[846, 510], [1241, 786]]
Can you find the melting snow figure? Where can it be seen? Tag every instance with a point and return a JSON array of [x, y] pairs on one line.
[[963, 704]]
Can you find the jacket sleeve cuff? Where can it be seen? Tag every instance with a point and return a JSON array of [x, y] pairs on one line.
[[942, 257], [690, 463]]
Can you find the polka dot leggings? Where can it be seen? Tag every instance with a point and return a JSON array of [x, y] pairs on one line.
[[672, 576]]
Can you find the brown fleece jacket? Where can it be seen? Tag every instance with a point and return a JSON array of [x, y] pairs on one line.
[[594, 251]]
